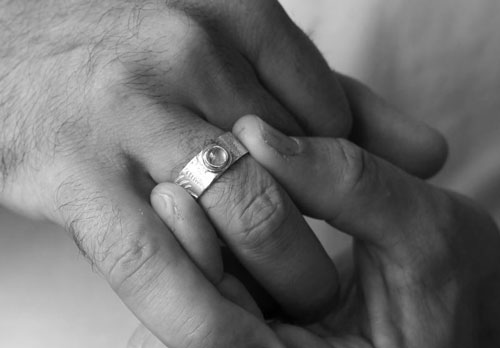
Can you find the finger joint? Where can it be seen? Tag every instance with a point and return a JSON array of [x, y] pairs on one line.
[[261, 218]]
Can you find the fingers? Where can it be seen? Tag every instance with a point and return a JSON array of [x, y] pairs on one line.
[[188, 222], [204, 72], [236, 101], [148, 269], [229, 287], [415, 254], [337, 181], [270, 237], [238, 89], [286, 62], [385, 132], [193, 231], [294, 70], [256, 219]]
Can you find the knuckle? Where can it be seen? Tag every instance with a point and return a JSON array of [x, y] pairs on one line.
[[116, 243], [163, 56], [167, 37], [356, 165], [126, 250], [260, 215], [150, 43]]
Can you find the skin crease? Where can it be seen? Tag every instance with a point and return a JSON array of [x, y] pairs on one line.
[[405, 87], [117, 95], [426, 269], [121, 95], [456, 88]]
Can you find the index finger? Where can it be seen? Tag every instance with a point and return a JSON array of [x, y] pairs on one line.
[[334, 180]]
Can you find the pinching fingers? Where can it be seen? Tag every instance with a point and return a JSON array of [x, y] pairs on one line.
[[334, 180]]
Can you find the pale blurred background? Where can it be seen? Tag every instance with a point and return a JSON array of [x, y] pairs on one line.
[[435, 59]]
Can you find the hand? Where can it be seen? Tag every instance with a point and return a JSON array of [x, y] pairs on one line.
[[427, 262], [103, 100]]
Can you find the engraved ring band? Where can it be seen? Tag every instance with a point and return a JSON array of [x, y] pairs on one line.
[[210, 163]]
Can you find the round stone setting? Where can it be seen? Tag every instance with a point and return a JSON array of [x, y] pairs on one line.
[[216, 158]]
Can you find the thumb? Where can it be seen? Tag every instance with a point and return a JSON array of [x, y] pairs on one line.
[[335, 180]]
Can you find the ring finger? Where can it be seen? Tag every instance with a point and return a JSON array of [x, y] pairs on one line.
[[254, 216]]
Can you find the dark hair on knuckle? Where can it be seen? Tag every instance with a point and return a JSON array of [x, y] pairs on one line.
[[91, 233], [86, 211], [79, 240]]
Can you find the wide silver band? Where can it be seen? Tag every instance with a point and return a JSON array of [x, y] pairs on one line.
[[210, 163]]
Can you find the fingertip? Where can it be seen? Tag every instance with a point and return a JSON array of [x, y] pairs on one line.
[[433, 155], [250, 130], [247, 127], [169, 189], [424, 153], [265, 143], [166, 196], [386, 132]]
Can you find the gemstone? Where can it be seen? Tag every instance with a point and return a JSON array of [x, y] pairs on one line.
[[216, 158]]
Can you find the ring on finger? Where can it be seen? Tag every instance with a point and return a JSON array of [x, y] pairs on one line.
[[210, 163]]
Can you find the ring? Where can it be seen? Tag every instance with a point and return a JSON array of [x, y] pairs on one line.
[[210, 163]]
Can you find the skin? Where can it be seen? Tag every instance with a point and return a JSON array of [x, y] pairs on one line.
[[103, 100], [426, 266]]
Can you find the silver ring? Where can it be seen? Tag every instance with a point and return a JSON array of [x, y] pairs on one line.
[[210, 163]]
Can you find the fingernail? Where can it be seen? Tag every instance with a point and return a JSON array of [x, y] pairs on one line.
[[280, 142], [167, 204]]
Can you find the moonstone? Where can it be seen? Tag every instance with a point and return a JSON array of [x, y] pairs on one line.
[[216, 157]]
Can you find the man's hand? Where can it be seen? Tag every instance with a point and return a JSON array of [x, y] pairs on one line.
[[101, 100], [427, 261]]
